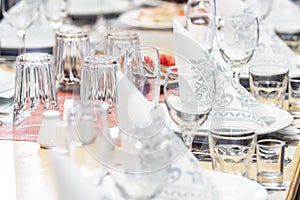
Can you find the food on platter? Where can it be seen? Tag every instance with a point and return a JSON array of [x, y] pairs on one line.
[[163, 13]]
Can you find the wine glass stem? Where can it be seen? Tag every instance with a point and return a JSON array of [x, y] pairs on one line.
[[188, 140], [236, 71], [21, 35]]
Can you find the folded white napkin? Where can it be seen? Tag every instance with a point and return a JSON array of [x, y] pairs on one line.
[[234, 105], [7, 84]]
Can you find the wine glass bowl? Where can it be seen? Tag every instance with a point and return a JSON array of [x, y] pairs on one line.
[[20, 14], [55, 12], [237, 38], [189, 97]]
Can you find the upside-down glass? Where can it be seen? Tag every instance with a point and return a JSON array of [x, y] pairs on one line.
[[232, 149], [71, 46], [200, 21], [189, 96], [20, 14], [34, 91], [55, 12], [237, 38], [98, 79], [118, 42]]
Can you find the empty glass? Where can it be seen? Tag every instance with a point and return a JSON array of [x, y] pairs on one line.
[[294, 94], [189, 95], [232, 149], [20, 14], [55, 12], [268, 83], [237, 37], [71, 46], [200, 21], [270, 156], [99, 80], [142, 68], [118, 42], [34, 91]]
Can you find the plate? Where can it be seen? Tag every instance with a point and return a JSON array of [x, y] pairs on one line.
[[159, 17], [277, 119], [233, 187], [39, 37], [82, 8], [130, 18], [7, 84]]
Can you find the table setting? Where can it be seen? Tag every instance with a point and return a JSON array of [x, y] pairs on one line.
[[212, 118]]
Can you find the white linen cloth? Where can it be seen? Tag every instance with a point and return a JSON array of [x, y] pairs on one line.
[[234, 105], [186, 179]]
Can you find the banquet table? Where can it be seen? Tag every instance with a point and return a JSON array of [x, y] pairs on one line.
[[26, 170]]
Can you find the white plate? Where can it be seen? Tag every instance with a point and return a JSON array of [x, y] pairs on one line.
[[7, 84], [130, 19], [82, 8], [233, 187], [277, 120]]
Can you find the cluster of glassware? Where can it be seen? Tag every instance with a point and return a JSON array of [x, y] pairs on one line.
[[119, 109]]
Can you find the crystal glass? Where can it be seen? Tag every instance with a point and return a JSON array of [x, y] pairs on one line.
[[20, 14], [55, 12], [118, 42], [261, 8], [34, 91], [237, 37], [71, 46], [142, 68], [98, 79], [200, 21], [231, 149], [189, 96]]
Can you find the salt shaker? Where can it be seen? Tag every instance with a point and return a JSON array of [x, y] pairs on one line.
[[47, 132], [62, 137]]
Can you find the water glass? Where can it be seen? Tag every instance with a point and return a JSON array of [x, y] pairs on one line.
[[294, 94], [99, 81], [71, 46], [268, 83], [270, 156], [232, 149], [118, 42], [200, 21], [34, 91]]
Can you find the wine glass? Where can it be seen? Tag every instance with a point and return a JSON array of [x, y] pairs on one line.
[[261, 8], [55, 12], [20, 14], [189, 96], [237, 38], [200, 21], [142, 68], [101, 23]]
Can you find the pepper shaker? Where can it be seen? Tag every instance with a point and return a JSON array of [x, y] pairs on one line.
[[47, 132]]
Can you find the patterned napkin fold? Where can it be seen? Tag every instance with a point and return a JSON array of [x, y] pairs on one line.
[[234, 105]]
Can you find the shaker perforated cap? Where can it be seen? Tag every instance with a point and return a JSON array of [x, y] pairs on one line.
[[50, 114]]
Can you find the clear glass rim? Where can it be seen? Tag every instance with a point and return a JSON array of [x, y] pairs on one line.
[[71, 34], [234, 133], [34, 58], [270, 143], [99, 60], [122, 35], [256, 69]]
